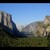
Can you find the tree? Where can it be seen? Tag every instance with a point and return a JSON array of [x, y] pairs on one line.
[[48, 39]]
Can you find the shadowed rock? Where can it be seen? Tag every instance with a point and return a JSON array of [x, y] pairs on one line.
[[8, 25]]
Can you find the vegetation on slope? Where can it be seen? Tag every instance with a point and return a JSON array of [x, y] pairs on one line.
[[9, 41]]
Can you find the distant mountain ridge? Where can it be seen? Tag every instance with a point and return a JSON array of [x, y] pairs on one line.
[[20, 27], [38, 28]]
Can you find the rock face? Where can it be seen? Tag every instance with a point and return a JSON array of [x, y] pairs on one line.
[[48, 29], [30, 29], [47, 24], [39, 28], [35, 28], [7, 23], [47, 20], [5, 19]]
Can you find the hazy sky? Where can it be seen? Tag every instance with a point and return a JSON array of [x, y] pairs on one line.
[[25, 13]]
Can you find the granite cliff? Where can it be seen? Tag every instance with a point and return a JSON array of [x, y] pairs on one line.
[[38, 28], [8, 25]]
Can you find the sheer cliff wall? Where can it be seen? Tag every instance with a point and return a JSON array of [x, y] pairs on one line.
[[6, 22]]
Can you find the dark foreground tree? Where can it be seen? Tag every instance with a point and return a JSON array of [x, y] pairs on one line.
[[48, 39]]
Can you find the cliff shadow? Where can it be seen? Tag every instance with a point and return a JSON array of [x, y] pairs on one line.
[[17, 33], [12, 32]]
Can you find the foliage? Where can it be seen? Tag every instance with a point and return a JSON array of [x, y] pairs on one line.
[[8, 41], [48, 40]]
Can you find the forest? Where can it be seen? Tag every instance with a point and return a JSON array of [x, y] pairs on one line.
[[7, 40]]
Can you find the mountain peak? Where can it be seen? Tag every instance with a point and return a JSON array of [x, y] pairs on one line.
[[7, 23], [38, 28]]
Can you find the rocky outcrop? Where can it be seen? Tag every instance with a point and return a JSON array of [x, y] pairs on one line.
[[39, 28], [47, 20], [6, 21], [48, 30], [7, 24]]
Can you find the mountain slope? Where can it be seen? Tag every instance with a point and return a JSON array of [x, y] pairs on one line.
[[7, 40], [32, 27], [38, 28]]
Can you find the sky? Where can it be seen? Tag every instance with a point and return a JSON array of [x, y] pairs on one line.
[[26, 13]]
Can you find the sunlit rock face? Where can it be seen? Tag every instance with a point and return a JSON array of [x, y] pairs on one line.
[[32, 28], [47, 24], [38, 28], [5, 19], [48, 30], [7, 23], [47, 20]]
